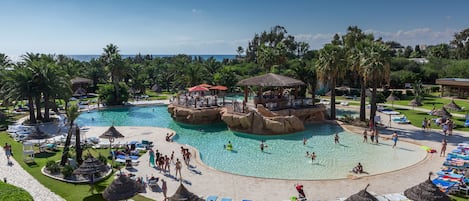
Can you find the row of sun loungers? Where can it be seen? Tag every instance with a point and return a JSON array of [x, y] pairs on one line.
[[450, 179]]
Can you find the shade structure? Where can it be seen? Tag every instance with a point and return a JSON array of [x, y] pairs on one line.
[[79, 92], [392, 98], [415, 103], [38, 135], [121, 188], [452, 106], [91, 166], [442, 113], [204, 85], [426, 191], [81, 80], [363, 195], [270, 79], [112, 132], [183, 194], [156, 88], [219, 87], [197, 88]]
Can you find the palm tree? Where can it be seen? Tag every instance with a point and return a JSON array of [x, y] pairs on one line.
[[18, 85], [72, 114], [331, 67], [376, 68], [114, 65], [305, 71], [354, 45], [5, 61]]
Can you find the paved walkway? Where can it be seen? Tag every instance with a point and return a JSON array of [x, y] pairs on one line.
[[17, 176]]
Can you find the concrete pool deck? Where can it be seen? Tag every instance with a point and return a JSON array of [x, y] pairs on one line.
[[204, 181]]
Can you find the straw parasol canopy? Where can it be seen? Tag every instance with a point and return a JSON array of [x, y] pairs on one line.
[[452, 106], [392, 98], [91, 166], [272, 80], [81, 80], [363, 195], [121, 188], [198, 88], [426, 191], [156, 88], [112, 132], [183, 194], [442, 113], [415, 103]]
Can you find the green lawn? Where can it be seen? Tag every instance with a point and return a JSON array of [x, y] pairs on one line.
[[71, 192], [439, 102], [13, 193], [416, 117]]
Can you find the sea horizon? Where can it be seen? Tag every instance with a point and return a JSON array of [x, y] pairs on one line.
[[217, 57]]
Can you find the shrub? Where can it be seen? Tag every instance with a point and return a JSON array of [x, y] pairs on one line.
[[52, 166], [108, 95], [67, 171], [409, 93], [102, 158]]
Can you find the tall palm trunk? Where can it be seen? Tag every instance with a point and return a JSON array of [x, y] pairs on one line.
[[373, 104], [117, 91], [67, 145], [362, 100], [333, 99], [32, 115], [46, 108], [37, 101], [78, 148]]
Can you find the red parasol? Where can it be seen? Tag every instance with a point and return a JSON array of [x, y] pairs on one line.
[[197, 88], [219, 87], [204, 85]]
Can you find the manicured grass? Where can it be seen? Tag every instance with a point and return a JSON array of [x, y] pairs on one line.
[[416, 117], [71, 192], [9, 192], [439, 102], [157, 96]]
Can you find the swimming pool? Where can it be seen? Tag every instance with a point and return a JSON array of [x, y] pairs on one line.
[[284, 158]]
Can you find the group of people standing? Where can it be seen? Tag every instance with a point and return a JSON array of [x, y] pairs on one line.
[[374, 136], [446, 125]]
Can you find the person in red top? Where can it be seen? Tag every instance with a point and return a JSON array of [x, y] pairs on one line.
[[299, 188]]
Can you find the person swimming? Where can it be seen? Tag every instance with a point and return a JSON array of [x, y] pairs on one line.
[[358, 169]]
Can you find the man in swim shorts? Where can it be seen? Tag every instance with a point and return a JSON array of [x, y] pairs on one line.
[[394, 138], [336, 138], [7, 149]]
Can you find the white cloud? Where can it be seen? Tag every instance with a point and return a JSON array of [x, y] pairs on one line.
[[417, 36]]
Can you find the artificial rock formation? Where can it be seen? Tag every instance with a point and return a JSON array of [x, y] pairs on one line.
[[194, 116], [262, 121]]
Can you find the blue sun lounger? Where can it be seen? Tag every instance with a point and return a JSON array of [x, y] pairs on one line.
[[212, 198], [225, 199]]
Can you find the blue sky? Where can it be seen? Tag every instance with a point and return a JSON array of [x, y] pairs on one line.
[[215, 26]]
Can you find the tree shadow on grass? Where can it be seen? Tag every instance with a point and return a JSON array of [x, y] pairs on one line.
[[45, 154], [94, 197], [32, 164]]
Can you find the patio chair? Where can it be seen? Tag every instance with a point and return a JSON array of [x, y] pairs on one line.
[[225, 199], [212, 198]]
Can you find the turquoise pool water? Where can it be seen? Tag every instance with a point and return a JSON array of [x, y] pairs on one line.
[[284, 158]]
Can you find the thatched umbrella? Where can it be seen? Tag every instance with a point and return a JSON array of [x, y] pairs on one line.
[[156, 88], [121, 188], [272, 80], [415, 103], [363, 195], [90, 167], [442, 113], [453, 106], [183, 194], [426, 191], [111, 134], [391, 98]]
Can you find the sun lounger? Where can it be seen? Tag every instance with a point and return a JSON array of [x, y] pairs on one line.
[[225, 199], [212, 198], [396, 197]]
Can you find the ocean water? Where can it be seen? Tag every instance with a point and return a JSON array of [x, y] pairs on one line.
[[217, 57]]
